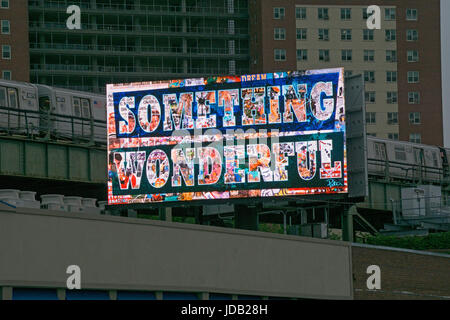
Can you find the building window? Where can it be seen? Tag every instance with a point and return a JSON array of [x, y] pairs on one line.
[[346, 14], [323, 13], [393, 136], [280, 54], [413, 56], [368, 35], [5, 27], [370, 96], [302, 54], [346, 34], [6, 74], [4, 4], [232, 67], [411, 14], [369, 55], [300, 13], [6, 52], [324, 55], [414, 117], [391, 55], [391, 97], [415, 138], [392, 118], [231, 28], [369, 76], [413, 97], [348, 73], [324, 34], [301, 33], [365, 14], [346, 55], [413, 76], [279, 33], [391, 35], [412, 35], [389, 14], [371, 118], [278, 13], [391, 76]]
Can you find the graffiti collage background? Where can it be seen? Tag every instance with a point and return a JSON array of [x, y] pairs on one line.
[[253, 136]]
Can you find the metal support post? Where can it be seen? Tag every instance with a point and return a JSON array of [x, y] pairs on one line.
[[198, 212], [347, 224], [165, 214], [246, 217], [303, 216]]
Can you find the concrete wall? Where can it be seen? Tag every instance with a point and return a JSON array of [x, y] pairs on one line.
[[128, 254]]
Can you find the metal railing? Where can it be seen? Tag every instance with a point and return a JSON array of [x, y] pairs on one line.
[[133, 69], [426, 206], [406, 171], [140, 8], [422, 213], [140, 49], [53, 126], [96, 89], [189, 30]]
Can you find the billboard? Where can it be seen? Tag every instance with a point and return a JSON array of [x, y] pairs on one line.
[[251, 136]]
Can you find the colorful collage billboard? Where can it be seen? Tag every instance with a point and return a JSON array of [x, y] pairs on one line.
[[251, 136]]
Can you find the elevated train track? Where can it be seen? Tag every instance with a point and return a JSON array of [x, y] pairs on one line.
[[54, 134]]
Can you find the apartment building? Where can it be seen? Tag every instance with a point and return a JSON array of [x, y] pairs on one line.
[[14, 54], [401, 62], [136, 40]]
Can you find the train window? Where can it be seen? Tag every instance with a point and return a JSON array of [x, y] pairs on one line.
[[12, 94], [85, 108], [435, 159], [418, 157], [76, 107], [44, 103], [400, 153], [3, 101], [60, 102], [380, 151]]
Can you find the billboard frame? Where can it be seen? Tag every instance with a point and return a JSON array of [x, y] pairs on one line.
[[201, 202]]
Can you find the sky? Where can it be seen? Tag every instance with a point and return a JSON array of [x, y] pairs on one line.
[[445, 40]]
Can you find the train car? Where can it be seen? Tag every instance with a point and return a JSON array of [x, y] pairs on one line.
[[18, 107], [404, 160], [445, 154], [73, 114], [377, 158]]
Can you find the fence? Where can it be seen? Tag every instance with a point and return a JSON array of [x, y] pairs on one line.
[[32, 124]]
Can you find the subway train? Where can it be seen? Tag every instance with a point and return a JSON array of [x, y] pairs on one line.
[[56, 113], [399, 160]]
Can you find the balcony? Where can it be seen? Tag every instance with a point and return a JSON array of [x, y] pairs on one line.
[[133, 9], [91, 69], [138, 50], [144, 29]]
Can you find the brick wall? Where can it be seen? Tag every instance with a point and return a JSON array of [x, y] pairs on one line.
[[19, 64], [404, 275]]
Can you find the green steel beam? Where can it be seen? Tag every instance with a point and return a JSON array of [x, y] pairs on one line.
[[55, 161]]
